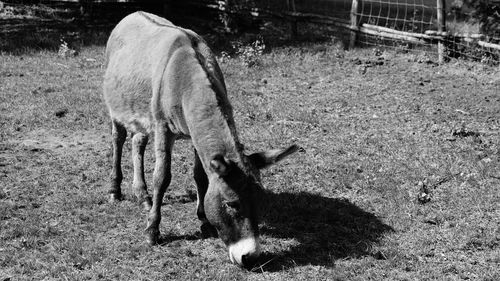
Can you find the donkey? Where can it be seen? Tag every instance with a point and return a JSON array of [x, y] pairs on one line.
[[164, 81]]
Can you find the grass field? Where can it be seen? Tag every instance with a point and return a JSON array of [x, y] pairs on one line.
[[400, 178]]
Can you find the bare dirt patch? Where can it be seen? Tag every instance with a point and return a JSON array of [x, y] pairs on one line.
[[57, 141]]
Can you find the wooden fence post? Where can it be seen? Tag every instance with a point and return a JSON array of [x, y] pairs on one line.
[[354, 23], [441, 27]]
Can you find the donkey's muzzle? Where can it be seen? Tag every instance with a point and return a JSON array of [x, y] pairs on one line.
[[245, 252]]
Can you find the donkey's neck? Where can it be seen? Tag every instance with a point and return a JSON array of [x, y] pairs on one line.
[[211, 126], [207, 110]]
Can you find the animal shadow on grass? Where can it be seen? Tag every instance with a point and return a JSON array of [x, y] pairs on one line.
[[326, 229]]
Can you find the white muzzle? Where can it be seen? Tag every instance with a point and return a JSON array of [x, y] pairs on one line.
[[247, 247]]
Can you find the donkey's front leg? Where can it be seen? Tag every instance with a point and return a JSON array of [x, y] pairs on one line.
[[164, 141], [201, 179]]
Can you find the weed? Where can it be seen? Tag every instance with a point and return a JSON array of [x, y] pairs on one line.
[[251, 55], [65, 51]]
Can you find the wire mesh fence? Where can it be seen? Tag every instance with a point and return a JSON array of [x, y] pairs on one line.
[[398, 24], [414, 24], [404, 15], [435, 26]]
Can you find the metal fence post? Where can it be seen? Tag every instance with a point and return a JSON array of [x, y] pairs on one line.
[[354, 23], [441, 27]]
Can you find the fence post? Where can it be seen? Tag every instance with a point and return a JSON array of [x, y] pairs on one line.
[[354, 23], [441, 27]]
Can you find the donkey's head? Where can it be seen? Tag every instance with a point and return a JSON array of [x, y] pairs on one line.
[[233, 199]]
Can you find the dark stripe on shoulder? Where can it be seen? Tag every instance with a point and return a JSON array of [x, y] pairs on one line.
[[220, 93]]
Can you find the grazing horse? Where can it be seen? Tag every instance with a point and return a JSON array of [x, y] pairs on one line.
[[163, 81]]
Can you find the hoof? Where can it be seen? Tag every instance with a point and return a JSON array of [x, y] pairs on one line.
[[152, 236], [208, 231], [114, 197], [146, 204]]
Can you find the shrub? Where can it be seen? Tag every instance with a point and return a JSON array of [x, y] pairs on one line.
[[487, 12]]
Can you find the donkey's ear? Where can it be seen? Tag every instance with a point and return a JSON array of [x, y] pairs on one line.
[[220, 165], [267, 158]]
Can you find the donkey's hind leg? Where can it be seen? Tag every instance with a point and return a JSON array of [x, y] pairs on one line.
[[201, 179], [139, 142], [119, 134]]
